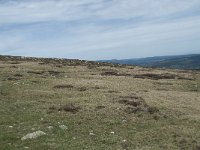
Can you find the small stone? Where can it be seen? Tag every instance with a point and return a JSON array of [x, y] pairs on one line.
[[112, 132], [92, 134], [50, 127], [10, 126], [63, 127], [33, 135]]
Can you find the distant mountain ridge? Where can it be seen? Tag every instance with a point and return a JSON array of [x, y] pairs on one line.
[[175, 62]]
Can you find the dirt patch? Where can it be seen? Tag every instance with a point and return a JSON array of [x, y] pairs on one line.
[[152, 110], [46, 73], [82, 89], [13, 79], [90, 66], [97, 87], [13, 67], [36, 82], [54, 73], [130, 102], [69, 86], [186, 143], [42, 63], [137, 104], [100, 107], [163, 83], [155, 76], [160, 76], [36, 72], [18, 75], [15, 62], [52, 108], [59, 66], [110, 73], [114, 73], [196, 147], [63, 87], [112, 91], [70, 108]]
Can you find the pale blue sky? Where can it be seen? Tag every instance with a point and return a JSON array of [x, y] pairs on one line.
[[99, 29]]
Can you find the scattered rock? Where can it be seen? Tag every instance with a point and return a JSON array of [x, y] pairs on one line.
[[124, 121], [26, 147], [63, 127], [50, 127], [33, 135], [91, 133]]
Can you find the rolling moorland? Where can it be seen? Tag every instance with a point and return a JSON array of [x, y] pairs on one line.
[[76, 105], [172, 62]]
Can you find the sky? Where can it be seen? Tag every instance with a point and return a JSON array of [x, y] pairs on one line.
[[99, 29]]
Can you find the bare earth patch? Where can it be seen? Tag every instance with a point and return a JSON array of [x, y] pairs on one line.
[[137, 104], [70, 108]]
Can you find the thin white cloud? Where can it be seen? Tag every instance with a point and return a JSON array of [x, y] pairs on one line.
[[69, 28], [24, 11]]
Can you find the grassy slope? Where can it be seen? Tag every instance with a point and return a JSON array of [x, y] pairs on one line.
[[29, 102]]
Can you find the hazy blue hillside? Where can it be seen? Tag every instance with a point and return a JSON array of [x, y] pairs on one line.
[[178, 62]]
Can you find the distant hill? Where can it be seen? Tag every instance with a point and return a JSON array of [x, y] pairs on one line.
[[175, 62]]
